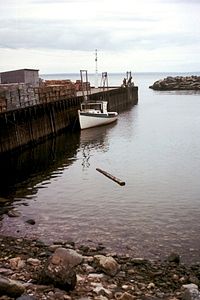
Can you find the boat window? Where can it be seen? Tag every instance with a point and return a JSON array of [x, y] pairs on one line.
[[92, 106]]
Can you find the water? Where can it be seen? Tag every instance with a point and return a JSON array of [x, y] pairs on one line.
[[154, 147]]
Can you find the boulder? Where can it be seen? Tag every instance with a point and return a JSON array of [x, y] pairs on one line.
[[191, 292], [10, 287], [60, 268], [106, 264]]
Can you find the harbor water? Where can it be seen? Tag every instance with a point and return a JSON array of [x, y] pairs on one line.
[[154, 147]]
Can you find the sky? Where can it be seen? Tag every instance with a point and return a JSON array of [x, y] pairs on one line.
[[60, 36]]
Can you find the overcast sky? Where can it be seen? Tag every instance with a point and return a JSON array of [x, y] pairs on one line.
[[57, 36]]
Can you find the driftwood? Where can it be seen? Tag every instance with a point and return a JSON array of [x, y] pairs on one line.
[[120, 182]]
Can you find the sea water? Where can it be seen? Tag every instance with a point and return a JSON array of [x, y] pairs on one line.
[[154, 147]]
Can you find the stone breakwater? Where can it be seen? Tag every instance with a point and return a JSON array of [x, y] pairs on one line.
[[177, 83], [30, 270]]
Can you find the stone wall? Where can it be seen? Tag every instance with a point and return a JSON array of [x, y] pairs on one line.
[[14, 96]]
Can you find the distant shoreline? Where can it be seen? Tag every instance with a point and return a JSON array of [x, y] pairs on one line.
[[119, 73]]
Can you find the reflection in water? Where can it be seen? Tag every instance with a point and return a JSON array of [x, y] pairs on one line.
[[179, 92], [93, 139], [21, 172]]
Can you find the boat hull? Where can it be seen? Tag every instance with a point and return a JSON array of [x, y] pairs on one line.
[[88, 120]]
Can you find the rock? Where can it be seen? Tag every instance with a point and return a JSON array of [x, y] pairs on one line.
[[95, 276], [66, 297], [100, 290], [33, 261], [30, 221], [177, 83], [107, 264], [151, 285], [3, 200], [88, 259], [194, 279], [60, 268], [126, 296], [125, 287], [183, 279], [68, 257], [150, 297], [191, 292], [10, 287], [175, 277], [16, 263], [13, 213], [52, 248], [122, 274], [139, 261], [6, 272], [88, 269], [174, 257]]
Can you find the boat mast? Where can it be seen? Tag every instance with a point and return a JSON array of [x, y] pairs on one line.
[[96, 70]]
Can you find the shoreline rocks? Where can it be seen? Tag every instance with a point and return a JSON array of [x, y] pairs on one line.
[[177, 83], [67, 272]]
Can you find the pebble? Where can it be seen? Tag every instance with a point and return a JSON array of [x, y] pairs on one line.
[[135, 278], [151, 285], [31, 221], [16, 263], [13, 213], [33, 261]]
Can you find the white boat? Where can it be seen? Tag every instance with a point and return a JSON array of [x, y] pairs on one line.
[[94, 114]]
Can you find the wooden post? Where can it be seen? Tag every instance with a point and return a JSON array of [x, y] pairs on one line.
[[120, 182]]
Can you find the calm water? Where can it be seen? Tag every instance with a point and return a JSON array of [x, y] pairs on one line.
[[154, 147]]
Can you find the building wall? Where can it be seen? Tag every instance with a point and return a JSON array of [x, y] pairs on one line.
[[12, 77], [21, 76], [31, 77]]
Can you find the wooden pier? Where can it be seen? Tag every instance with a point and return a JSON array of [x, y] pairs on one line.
[[29, 125]]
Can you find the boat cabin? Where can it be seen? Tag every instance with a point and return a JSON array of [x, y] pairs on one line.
[[95, 107]]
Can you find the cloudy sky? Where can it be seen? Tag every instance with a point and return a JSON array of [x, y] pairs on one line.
[[58, 36]]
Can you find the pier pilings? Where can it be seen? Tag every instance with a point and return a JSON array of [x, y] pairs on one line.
[[29, 125]]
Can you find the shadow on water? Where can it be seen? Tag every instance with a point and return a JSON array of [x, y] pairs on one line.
[[22, 171]]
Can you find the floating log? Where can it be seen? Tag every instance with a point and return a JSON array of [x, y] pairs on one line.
[[120, 182]]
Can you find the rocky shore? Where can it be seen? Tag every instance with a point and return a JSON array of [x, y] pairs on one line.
[[177, 83], [30, 270]]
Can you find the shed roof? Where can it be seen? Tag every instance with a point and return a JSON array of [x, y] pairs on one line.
[[19, 70]]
